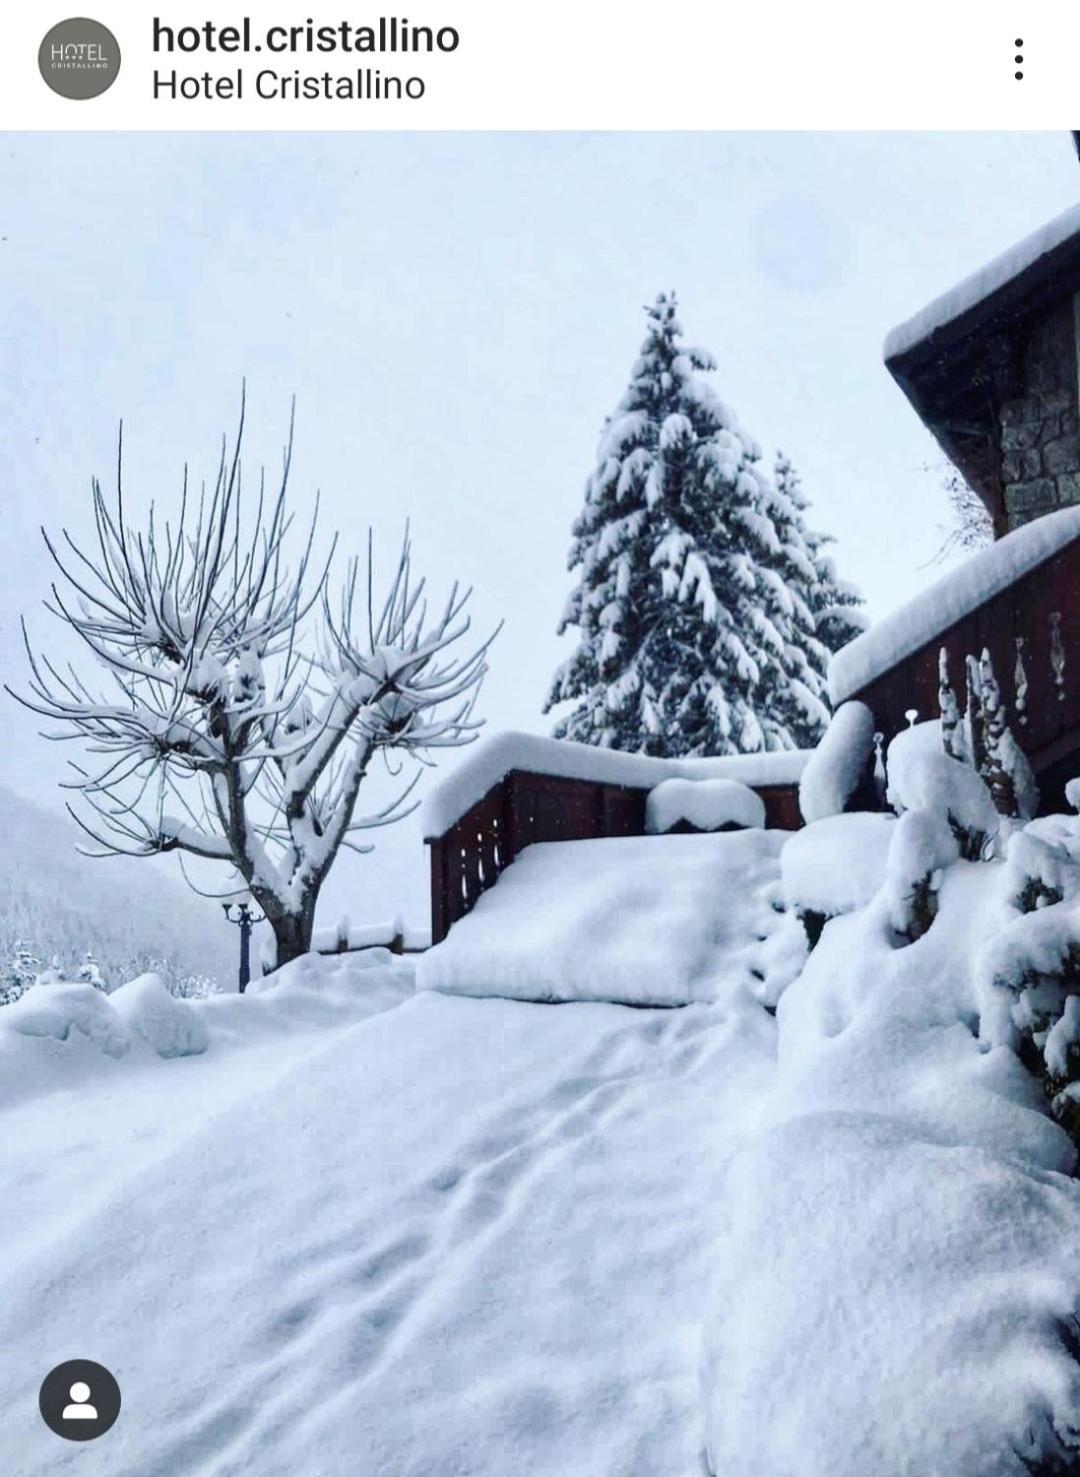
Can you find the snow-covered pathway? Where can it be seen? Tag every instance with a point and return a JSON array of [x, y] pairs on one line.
[[456, 1237]]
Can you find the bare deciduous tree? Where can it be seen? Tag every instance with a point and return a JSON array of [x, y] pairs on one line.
[[242, 707]]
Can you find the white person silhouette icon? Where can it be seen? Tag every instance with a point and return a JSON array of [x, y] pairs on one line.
[[79, 1410]]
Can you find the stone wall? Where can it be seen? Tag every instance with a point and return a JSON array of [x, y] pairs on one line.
[[1040, 426]]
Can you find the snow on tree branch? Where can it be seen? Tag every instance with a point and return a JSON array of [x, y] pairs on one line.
[[233, 700]]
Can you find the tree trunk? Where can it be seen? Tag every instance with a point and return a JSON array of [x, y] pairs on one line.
[[292, 935]]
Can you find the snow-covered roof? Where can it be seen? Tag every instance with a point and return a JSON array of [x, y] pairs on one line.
[[984, 284], [982, 576], [495, 757]]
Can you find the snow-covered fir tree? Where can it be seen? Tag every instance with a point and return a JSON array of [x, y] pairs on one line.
[[21, 973], [697, 603], [810, 573]]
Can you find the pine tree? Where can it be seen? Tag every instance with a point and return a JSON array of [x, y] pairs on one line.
[[20, 974], [833, 603], [690, 640]]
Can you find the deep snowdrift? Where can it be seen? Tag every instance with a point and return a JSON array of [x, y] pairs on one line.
[[640, 920], [367, 1230]]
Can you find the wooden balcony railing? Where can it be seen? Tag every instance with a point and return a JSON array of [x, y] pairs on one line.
[[523, 807], [1032, 631]]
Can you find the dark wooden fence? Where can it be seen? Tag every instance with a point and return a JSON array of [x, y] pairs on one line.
[[1034, 622], [524, 807]]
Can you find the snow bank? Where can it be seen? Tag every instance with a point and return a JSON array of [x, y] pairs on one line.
[[56, 1010], [495, 757], [706, 804], [169, 1026], [981, 576], [839, 762], [62, 1037], [982, 284], [837, 864], [654, 920], [895, 1287]]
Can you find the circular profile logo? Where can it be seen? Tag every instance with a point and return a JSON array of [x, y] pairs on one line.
[[79, 58], [79, 1400]]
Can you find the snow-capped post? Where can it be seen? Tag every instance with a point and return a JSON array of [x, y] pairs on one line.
[[243, 707], [704, 608], [973, 716], [952, 733], [1006, 770]]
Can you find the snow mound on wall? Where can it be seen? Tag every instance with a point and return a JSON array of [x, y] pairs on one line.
[[494, 758], [981, 576], [660, 920], [706, 804], [838, 763], [169, 1026], [837, 864]]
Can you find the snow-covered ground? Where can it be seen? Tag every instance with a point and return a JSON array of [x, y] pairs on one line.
[[372, 1230]]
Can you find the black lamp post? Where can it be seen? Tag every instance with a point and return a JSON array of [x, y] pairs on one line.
[[246, 920]]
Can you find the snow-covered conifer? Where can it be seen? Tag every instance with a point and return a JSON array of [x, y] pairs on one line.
[[692, 638], [20, 974], [90, 973], [833, 604]]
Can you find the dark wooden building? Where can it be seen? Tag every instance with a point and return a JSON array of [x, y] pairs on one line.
[[993, 370]]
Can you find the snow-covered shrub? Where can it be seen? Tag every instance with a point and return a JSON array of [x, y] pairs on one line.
[[90, 973], [164, 1022], [59, 1009], [1033, 969], [922, 777], [704, 805], [839, 764], [922, 845], [834, 866], [1039, 872]]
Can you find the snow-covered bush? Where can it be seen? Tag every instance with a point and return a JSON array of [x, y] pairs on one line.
[[90, 973], [922, 845], [839, 764], [57, 1010], [167, 1024], [834, 866], [1031, 970], [703, 805], [922, 777]]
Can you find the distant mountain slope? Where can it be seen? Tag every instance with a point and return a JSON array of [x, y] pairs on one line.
[[58, 902]]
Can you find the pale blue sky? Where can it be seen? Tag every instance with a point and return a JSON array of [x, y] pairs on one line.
[[457, 314]]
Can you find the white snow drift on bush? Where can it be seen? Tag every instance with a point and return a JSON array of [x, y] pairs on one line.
[[835, 865], [169, 1026], [706, 804]]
